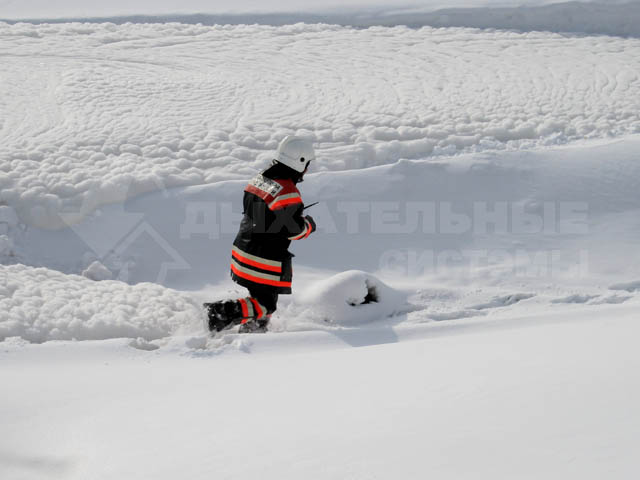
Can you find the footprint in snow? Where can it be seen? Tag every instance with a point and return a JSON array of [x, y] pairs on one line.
[[611, 299], [576, 298], [503, 301], [143, 344], [439, 317]]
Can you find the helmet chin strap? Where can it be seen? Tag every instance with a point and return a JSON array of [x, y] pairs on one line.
[[303, 172]]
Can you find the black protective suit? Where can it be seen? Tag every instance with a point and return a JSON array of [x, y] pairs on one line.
[[260, 259]]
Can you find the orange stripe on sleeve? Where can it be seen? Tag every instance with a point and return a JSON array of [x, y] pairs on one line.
[[277, 204]]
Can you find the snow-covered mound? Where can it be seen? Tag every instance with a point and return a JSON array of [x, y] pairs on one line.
[[96, 113], [346, 299], [40, 305]]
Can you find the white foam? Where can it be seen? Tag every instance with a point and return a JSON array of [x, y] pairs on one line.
[[97, 113], [38, 305]]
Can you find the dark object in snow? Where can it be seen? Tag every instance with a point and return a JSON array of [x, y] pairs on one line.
[[370, 297], [251, 313]]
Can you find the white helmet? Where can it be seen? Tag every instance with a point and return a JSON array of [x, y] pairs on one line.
[[295, 153]]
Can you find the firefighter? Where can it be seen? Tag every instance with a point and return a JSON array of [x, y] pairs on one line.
[[260, 259]]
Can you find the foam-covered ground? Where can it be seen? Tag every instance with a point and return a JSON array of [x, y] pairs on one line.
[[448, 372], [94, 113], [467, 308], [39, 305]]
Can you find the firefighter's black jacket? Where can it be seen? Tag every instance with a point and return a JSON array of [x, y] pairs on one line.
[[272, 219]]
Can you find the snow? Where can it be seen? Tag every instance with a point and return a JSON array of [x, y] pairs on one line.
[[467, 308], [561, 215], [40, 305], [345, 299], [629, 287], [550, 395], [583, 251], [98, 113]]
